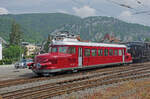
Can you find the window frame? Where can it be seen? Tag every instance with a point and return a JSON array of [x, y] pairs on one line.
[[120, 52], [100, 52], [110, 52], [115, 52], [105, 52], [53, 48], [94, 52], [74, 50], [87, 52]]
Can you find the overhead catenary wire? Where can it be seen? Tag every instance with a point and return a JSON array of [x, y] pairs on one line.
[[121, 4], [139, 2], [142, 12], [137, 11]]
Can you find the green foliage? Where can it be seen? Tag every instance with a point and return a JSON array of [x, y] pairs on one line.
[[36, 27], [12, 52], [6, 61], [15, 35], [46, 45], [31, 56], [147, 39]]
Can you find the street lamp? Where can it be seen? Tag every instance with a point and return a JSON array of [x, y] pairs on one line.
[[20, 49]]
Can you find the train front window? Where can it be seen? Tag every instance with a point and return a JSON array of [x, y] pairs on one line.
[[63, 49], [53, 49]]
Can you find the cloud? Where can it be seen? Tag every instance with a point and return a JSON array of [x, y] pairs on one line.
[[129, 17], [126, 16], [3, 11], [63, 11], [84, 11]]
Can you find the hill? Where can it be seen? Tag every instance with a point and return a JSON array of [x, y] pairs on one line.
[[37, 26]]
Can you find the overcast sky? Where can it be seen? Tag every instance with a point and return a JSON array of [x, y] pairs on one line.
[[127, 10]]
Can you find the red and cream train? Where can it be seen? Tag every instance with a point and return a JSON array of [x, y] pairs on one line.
[[67, 53]]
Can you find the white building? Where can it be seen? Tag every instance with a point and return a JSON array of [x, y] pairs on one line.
[[1, 50], [2, 41]]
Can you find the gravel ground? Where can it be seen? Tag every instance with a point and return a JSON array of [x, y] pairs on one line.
[[9, 72], [29, 85], [103, 89]]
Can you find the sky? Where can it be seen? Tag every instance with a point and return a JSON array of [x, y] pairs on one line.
[[132, 11]]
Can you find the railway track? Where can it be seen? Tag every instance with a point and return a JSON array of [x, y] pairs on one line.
[[90, 80], [14, 82]]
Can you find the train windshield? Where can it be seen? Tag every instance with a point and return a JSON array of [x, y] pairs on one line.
[[53, 49], [63, 49], [69, 50]]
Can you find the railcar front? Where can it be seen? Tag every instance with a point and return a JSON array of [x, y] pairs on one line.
[[59, 58]]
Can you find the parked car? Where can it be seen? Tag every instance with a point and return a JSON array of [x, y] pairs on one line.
[[23, 63]]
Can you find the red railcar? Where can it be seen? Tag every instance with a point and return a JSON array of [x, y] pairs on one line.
[[74, 55]]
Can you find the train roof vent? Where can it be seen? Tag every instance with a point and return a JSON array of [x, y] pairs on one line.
[[65, 36]]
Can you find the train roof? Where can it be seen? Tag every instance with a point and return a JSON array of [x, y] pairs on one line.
[[78, 43], [70, 39]]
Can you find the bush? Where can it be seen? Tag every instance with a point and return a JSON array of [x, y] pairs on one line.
[[6, 61]]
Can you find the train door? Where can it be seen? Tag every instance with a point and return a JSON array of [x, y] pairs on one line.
[[80, 57], [123, 55]]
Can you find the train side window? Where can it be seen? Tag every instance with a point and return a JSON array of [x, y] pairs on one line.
[[71, 50], [120, 52], [110, 52], [87, 52], [106, 52], [116, 52], [93, 52], [100, 52]]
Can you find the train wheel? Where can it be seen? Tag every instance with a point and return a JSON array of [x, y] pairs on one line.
[[69, 72], [74, 71], [39, 74], [48, 75]]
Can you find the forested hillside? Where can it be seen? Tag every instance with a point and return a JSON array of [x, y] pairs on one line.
[[36, 27]]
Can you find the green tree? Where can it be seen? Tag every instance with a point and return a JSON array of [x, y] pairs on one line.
[[12, 52], [147, 39], [48, 42], [16, 34]]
